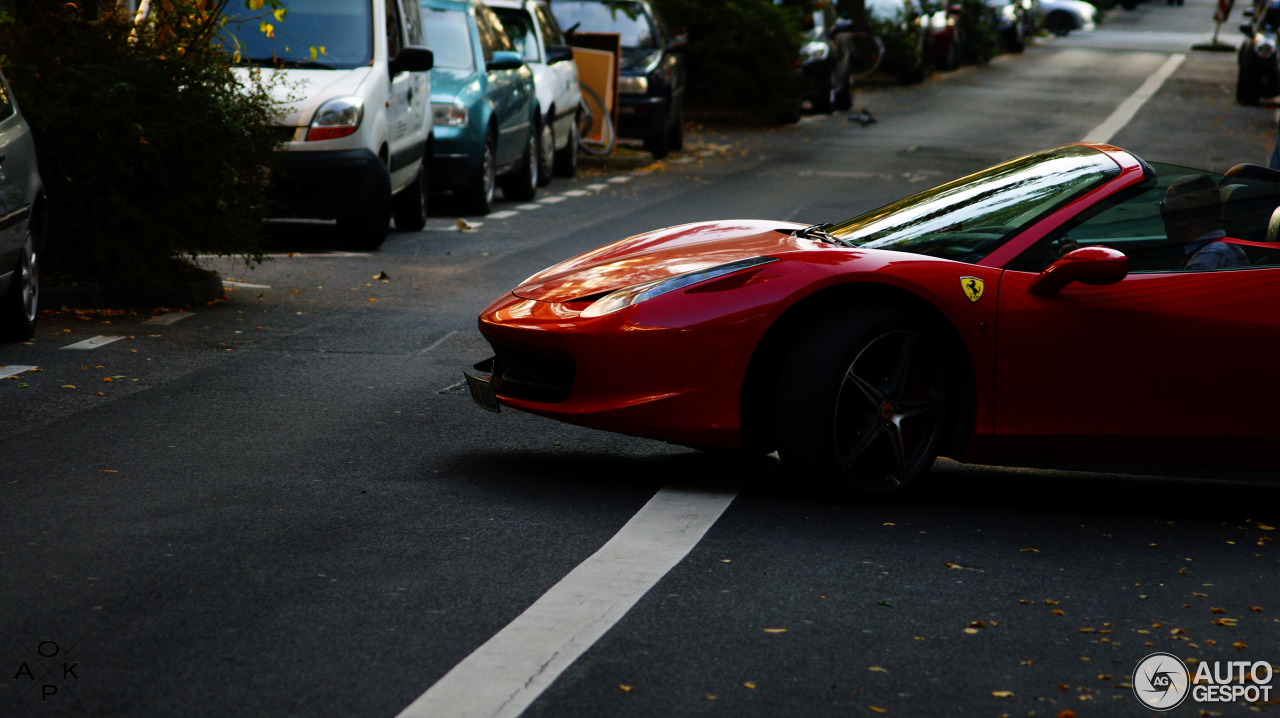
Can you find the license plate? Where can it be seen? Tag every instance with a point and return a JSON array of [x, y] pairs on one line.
[[482, 391]]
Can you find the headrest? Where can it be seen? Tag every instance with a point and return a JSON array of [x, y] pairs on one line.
[[1273, 227], [1237, 192], [1251, 173]]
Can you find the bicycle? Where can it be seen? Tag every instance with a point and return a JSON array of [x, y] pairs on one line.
[[592, 140]]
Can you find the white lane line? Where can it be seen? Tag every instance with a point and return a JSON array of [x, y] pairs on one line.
[[597, 187], [503, 214], [439, 341], [244, 285], [528, 207], [94, 343], [171, 317], [552, 200], [620, 179], [502, 677], [11, 371], [1127, 109], [576, 193]]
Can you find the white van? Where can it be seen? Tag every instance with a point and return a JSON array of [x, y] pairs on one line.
[[355, 90]]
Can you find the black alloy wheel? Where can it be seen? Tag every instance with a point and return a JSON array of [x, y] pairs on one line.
[[863, 402], [478, 197]]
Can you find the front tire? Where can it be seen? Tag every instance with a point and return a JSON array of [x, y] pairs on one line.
[[477, 198], [370, 231], [409, 208], [20, 306], [567, 158], [1247, 92], [546, 153], [863, 402]]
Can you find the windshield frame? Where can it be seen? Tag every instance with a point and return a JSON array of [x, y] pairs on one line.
[[905, 225]]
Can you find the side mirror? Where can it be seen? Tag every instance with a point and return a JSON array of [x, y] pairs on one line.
[[413, 59], [559, 53], [1246, 28], [1088, 265], [505, 60]]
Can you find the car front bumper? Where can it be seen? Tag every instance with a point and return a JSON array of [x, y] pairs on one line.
[[329, 184]]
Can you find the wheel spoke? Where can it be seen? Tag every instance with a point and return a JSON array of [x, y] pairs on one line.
[[913, 408], [897, 452], [874, 396], [866, 438], [902, 368]]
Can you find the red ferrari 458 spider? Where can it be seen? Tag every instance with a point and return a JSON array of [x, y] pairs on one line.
[[1074, 306]]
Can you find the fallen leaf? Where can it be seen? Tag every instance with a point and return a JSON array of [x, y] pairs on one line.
[[749, 685], [68, 386], [624, 688], [953, 565], [1050, 602], [877, 669], [977, 624], [1028, 662], [108, 471], [877, 709], [1104, 676], [1030, 550], [1086, 630], [1256, 608], [381, 275], [1239, 646], [1201, 595], [889, 523], [1057, 612], [1228, 622], [1177, 632], [1024, 601], [1264, 527], [971, 631], [775, 630], [1067, 714], [712, 696], [1002, 694], [1214, 609]]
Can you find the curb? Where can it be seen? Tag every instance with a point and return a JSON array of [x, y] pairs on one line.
[[628, 161], [194, 293]]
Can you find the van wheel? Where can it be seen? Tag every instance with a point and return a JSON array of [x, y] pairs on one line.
[[410, 206], [20, 306], [522, 184], [370, 231], [478, 197]]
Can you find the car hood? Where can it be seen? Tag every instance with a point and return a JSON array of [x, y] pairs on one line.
[[660, 254], [301, 92], [447, 83]]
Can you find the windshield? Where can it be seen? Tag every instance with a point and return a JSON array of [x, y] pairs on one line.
[[312, 33], [449, 37], [626, 18], [966, 219]]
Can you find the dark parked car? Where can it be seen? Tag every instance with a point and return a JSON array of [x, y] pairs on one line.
[[1014, 21], [651, 79], [22, 207], [1259, 75]]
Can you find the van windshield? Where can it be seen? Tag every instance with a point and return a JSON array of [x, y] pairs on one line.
[[449, 36], [334, 34]]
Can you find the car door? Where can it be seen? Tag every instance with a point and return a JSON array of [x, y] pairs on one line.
[[1165, 366], [509, 90], [564, 74], [16, 162], [400, 112]]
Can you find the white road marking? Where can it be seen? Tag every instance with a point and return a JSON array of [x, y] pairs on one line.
[[94, 343], [597, 187], [439, 341], [171, 317], [576, 193], [244, 285], [620, 179], [503, 214], [505, 675], [10, 371], [552, 200], [1127, 109], [528, 207]]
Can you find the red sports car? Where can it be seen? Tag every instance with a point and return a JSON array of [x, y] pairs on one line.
[[1053, 309]]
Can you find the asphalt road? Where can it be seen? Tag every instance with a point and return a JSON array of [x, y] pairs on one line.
[[286, 504]]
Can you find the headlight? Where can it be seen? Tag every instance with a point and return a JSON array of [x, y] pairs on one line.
[[336, 118], [1263, 46], [624, 298], [633, 85], [447, 114], [814, 51]]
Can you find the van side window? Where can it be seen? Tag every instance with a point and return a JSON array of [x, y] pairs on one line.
[[491, 32], [413, 24], [395, 33]]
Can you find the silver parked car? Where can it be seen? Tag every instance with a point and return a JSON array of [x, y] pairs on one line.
[[21, 223]]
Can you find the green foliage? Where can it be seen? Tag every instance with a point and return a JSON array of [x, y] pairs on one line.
[[902, 54], [150, 149], [741, 56], [980, 40]]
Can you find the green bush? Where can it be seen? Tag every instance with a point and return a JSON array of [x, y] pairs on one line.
[[741, 56], [902, 56], [980, 40], [150, 150]]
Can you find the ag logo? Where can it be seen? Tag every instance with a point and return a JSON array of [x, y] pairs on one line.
[[972, 287], [1161, 681]]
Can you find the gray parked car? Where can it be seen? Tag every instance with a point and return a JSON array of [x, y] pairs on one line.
[[21, 222]]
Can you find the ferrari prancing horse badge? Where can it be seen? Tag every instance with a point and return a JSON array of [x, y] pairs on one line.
[[972, 287]]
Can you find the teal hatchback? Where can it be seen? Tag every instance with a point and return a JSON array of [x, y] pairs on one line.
[[484, 107]]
